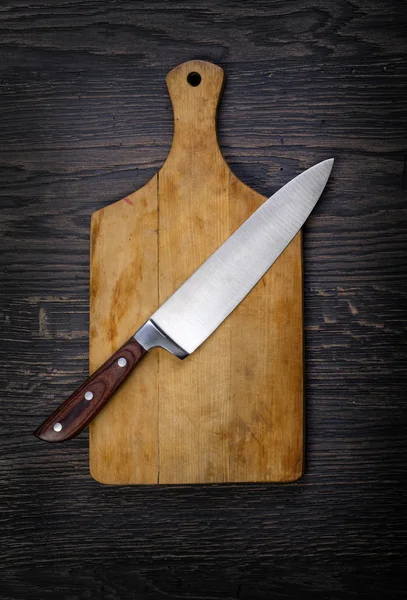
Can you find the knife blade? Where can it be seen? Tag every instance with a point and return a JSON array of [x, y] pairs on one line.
[[188, 317]]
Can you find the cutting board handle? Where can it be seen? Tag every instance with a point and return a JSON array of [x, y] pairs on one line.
[[195, 88]]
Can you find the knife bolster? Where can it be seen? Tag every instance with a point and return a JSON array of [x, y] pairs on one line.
[[151, 336]]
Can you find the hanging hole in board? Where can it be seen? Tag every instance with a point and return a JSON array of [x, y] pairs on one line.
[[194, 78]]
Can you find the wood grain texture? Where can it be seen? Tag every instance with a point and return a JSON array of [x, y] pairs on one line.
[[234, 410], [123, 441], [82, 84], [78, 410]]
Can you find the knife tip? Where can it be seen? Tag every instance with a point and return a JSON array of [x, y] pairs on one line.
[[328, 162], [325, 168]]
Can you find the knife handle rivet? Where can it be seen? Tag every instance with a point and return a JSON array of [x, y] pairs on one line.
[[88, 395], [122, 362], [57, 427]]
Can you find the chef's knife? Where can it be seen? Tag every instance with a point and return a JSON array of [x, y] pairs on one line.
[[202, 302]]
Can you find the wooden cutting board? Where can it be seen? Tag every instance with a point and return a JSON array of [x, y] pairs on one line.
[[233, 410]]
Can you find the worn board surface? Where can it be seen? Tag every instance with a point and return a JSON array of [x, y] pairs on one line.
[[304, 78], [233, 411]]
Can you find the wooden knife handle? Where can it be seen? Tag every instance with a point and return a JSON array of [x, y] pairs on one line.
[[84, 404]]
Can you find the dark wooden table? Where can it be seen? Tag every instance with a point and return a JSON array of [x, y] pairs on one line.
[[84, 120]]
